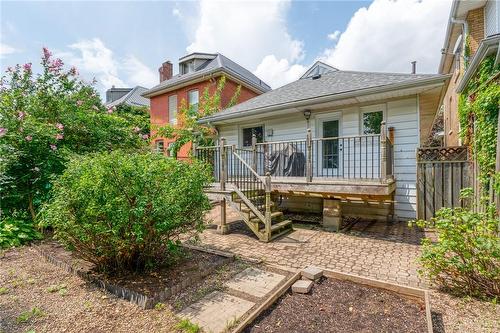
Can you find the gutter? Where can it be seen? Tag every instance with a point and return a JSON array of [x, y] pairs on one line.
[[453, 11], [324, 99], [485, 45]]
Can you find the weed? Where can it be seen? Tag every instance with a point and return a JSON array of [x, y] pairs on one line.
[[230, 324], [187, 326], [159, 306], [4, 290], [27, 315], [87, 305], [56, 288]]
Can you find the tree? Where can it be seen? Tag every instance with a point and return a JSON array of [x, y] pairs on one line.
[[45, 119], [187, 128]]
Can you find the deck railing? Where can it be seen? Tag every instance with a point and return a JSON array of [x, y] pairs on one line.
[[347, 157]]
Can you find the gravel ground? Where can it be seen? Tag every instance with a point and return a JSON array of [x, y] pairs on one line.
[[53, 300], [464, 315]]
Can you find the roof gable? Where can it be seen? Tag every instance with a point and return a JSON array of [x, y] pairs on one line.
[[318, 68], [133, 98]]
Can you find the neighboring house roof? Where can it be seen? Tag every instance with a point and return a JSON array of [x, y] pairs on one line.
[[133, 98], [333, 85], [218, 64]]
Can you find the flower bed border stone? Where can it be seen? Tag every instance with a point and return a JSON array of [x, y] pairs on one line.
[[141, 300]]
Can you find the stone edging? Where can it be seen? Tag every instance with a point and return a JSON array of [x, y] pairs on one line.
[[143, 301], [411, 292]]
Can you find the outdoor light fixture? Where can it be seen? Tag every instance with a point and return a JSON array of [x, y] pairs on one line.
[[307, 114]]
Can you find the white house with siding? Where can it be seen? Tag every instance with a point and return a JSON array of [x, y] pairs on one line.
[[334, 141]]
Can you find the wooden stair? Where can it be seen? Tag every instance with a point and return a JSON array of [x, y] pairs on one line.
[[279, 226]]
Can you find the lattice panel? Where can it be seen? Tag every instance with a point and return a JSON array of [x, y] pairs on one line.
[[442, 154]]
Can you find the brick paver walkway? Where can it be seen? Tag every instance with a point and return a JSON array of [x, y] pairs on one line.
[[381, 251]]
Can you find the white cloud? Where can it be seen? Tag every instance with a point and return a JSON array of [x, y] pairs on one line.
[[278, 72], [388, 35], [93, 58], [6, 50], [97, 59], [177, 12], [334, 35], [138, 73], [252, 33]]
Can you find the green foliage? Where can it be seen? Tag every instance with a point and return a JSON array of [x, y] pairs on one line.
[[46, 118], [27, 315], [465, 258], [478, 114], [187, 128], [125, 211], [187, 326], [16, 230]]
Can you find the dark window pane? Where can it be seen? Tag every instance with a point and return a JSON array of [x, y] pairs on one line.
[[248, 132], [372, 122]]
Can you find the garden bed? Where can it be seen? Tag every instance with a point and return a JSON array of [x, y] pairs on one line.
[[344, 303], [144, 289]]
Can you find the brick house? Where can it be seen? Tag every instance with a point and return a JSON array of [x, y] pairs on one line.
[[197, 71], [480, 22]]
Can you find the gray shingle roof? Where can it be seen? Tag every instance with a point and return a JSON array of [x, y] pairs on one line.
[[330, 83], [133, 98], [220, 62]]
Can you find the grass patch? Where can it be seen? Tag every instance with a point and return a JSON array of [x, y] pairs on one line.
[[187, 326], [27, 315]]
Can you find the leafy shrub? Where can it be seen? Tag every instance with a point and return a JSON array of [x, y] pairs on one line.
[[465, 258], [46, 117], [16, 231], [125, 211]]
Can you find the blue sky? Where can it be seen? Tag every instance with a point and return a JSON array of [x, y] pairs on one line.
[[123, 43]]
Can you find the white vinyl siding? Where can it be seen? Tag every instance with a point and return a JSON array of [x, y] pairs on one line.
[[172, 109], [401, 114], [492, 18]]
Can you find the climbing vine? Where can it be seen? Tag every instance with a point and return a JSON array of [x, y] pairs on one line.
[[478, 114]]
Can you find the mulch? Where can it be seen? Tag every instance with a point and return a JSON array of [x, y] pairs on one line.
[[342, 306], [148, 283]]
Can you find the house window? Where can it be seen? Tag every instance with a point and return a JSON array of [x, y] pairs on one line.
[[159, 146], [372, 122], [248, 133], [172, 109], [193, 99]]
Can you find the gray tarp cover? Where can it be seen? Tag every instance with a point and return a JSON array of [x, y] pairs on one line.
[[287, 162]]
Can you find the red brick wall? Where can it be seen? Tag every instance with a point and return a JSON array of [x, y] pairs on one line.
[[159, 104]]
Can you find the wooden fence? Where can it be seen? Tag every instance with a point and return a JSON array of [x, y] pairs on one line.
[[441, 173]]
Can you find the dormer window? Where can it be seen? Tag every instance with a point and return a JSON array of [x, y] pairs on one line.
[[187, 67]]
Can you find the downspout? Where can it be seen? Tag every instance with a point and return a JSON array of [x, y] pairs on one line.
[[465, 30]]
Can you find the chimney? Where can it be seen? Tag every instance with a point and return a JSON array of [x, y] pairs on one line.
[[414, 67], [165, 71]]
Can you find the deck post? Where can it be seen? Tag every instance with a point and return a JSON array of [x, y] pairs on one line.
[[309, 167], [383, 152], [254, 152], [193, 149], [222, 228], [268, 207]]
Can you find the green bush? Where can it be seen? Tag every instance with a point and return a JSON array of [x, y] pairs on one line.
[[125, 211], [465, 257], [16, 231]]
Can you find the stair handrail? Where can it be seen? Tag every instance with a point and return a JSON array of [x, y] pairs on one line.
[[267, 186], [233, 150]]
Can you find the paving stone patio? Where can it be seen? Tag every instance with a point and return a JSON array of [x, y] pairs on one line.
[[383, 251], [218, 310]]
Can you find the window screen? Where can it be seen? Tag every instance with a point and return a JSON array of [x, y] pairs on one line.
[[248, 132]]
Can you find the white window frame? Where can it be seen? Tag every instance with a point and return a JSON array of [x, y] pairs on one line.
[[252, 126], [157, 146], [370, 109], [189, 98], [172, 116]]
